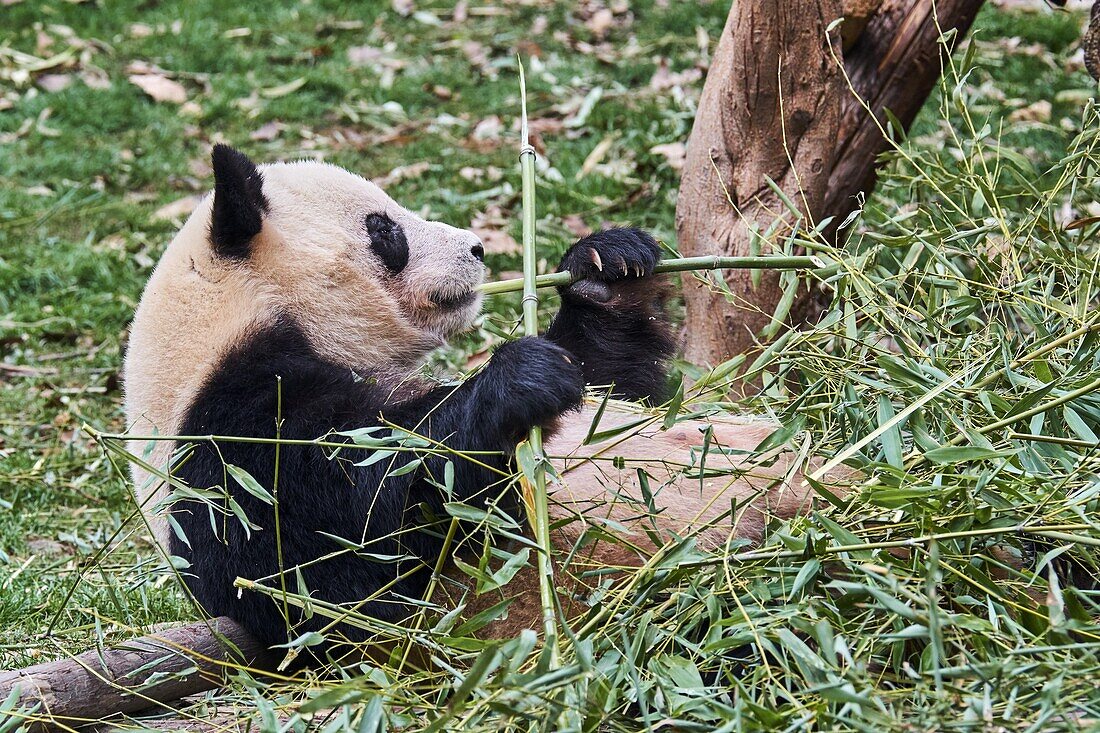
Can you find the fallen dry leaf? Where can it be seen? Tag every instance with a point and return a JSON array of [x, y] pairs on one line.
[[595, 156], [1037, 112], [600, 22], [664, 79], [178, 209], [477, 358], [490, 226], [478, 56], [497, 242], [284, 89], [54, 82], [576, 226], [1082, 223], [489, 128], [266, 132], [200, 167], [441, 91], [160, 88], [363, 55], [94, 78], [404, 173], [674, 153]]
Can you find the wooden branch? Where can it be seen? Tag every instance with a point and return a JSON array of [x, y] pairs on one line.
[[134, 675], [893, 65], [770, 108]]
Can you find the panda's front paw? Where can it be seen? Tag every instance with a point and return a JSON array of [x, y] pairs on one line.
[[610, 255], [528, 382]]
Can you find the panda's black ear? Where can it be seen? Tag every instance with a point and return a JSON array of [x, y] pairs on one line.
[[239, 202]]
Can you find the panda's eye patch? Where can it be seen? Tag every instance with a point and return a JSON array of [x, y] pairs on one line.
[[387, 239]]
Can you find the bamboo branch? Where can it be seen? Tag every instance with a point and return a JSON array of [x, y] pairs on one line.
[[682, 264], [531, 328]]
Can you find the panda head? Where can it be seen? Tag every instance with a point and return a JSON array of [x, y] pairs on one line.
[[368, 280]]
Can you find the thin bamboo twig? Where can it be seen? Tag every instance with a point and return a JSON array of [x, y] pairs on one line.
[[682, 264], [531, 328]]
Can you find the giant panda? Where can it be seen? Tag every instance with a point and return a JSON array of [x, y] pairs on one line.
[[299, 301]]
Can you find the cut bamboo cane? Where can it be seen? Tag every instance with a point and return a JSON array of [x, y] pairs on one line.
[[540, 508], [682, 264]]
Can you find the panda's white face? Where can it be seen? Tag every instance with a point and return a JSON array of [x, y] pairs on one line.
[[341, 253], [371, 285]]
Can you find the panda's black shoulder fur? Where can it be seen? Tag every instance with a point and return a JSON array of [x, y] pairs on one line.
[[610, 330]]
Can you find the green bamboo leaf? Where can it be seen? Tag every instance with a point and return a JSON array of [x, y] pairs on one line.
[[308, 639], [407, 468], [249, 484], [806, 573], [1078, 426], [952, 454], [375, 457], [891, 437]]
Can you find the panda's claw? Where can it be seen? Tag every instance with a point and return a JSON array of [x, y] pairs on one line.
[[595, 256], [612, 254]]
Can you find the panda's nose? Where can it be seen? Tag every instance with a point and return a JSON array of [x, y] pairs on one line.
[[478, 251]]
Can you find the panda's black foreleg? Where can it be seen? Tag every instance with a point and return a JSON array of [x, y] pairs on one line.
[[527, 382], [613, 317]]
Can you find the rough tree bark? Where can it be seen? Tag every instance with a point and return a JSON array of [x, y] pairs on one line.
[[1090, 43], [132, 676], [774, 88], [771, 98]]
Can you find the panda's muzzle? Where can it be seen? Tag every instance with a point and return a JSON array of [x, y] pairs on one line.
[[454, 302]]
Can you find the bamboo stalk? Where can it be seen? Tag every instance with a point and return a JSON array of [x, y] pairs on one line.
[[531, 328], [682, 264]]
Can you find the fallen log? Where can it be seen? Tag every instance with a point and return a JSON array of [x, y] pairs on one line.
[[130, 677]]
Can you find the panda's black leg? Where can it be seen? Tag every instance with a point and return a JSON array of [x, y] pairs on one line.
[[613, 318], [528, 382]]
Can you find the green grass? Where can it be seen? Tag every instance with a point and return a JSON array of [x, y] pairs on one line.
[[83, 170]]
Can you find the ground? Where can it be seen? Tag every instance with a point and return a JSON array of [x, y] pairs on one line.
[[107, 115]]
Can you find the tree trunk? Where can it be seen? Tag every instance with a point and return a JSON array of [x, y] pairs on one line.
[[770, 108], [893, 65], [1090, 43], [138, 674], [774, 87]]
